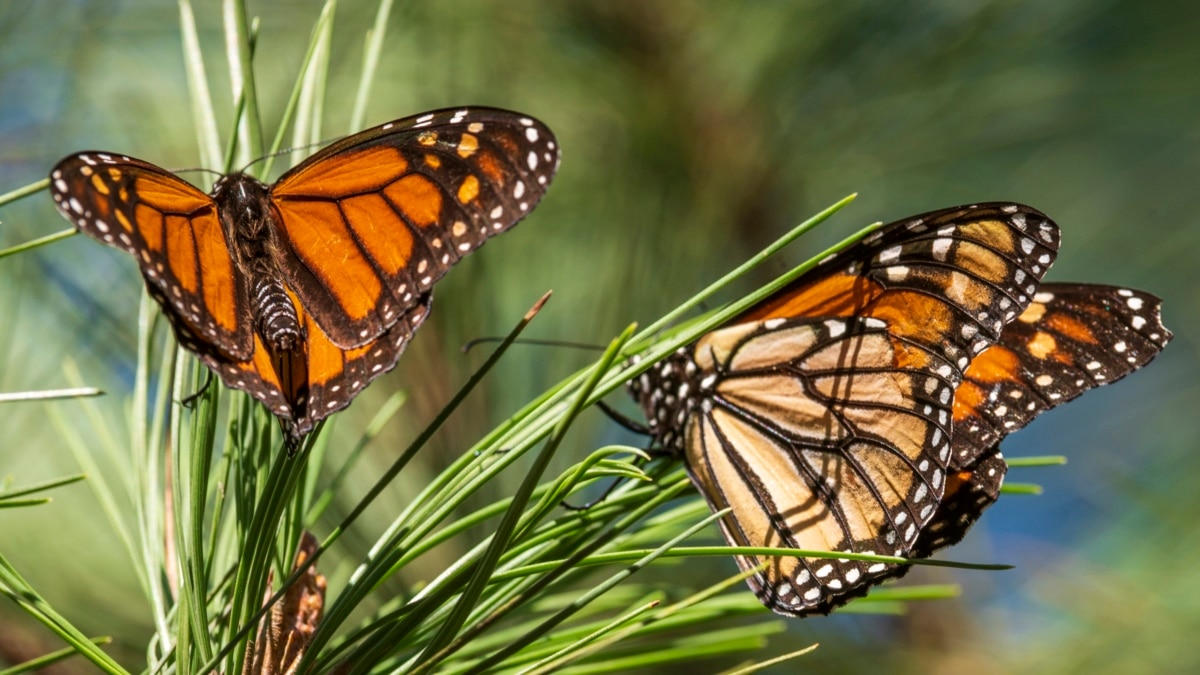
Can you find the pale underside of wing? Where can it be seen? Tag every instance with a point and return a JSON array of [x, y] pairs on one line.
[[818, 441]]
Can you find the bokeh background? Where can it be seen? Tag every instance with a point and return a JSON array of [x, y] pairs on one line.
[[692, 135]]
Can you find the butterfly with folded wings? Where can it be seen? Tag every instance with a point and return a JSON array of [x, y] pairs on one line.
[[860, 408]]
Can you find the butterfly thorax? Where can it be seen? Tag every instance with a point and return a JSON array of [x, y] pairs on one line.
[[667, 394], [246, 214]]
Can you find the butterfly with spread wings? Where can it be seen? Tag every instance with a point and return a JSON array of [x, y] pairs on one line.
[[302, 292], [859, 409]]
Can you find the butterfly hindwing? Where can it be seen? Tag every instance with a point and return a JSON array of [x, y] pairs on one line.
[[400, 204], [970, 489], [304, 389], [817, 439], [172, 230]]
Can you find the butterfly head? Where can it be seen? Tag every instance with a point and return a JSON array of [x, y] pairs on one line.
[[244, 205]]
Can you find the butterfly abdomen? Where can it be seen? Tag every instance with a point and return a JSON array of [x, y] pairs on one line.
[[664, 394], [275, 315]]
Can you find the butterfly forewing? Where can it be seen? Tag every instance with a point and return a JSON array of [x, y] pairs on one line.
[[172, 229], [400, 204], [1074, 337], [945, 281]]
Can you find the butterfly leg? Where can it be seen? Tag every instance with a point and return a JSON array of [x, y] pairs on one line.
[[625, 421], [190, 400], [603, 495]]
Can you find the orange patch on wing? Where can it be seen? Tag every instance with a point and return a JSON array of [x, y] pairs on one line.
[[387, 240], [344, 173], [319, 235], [915, 317], [427, 138], [147, 219], [467, 146], [1071, 328], [992, 233], [956, 481], [837, 295], [262, 364], [433, 161], [418, 197], [1033, 313], [967, 399], [216, 267], [469, 189], [153, 234], [169, 194], [491, 166], [995, 364], [181, 255], [103, 208], [325, 360], [981, 261], [124, 222], [99, 184], [1041, 345]]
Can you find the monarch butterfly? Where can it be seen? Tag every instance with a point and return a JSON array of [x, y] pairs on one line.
[[302, 292], [860, 408]]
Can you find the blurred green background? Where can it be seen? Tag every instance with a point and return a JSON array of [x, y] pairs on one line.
[[692, 135]]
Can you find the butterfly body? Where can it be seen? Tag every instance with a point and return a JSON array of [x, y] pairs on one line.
[[302, 291], [251, 227]]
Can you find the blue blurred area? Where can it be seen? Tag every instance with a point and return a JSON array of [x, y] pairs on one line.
[[692, 135]]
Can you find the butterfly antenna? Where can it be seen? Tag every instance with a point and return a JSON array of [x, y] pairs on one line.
[[199, 169], [294, 148], [530, 341], [625, 421]]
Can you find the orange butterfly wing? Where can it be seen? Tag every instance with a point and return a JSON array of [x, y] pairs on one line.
[[398, 205], [1072, 338], [303, 391]]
